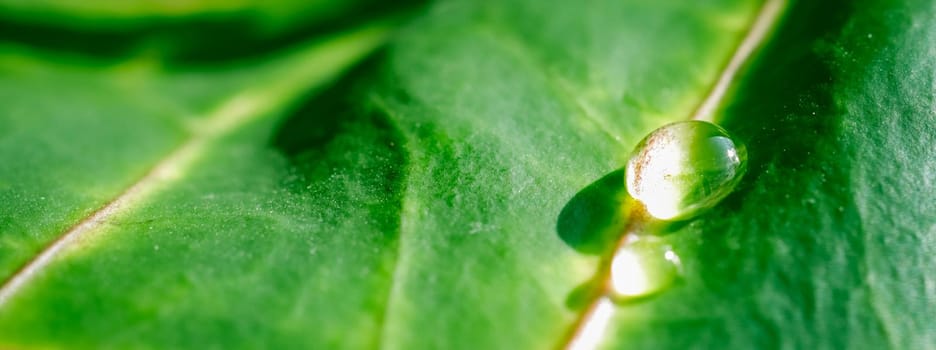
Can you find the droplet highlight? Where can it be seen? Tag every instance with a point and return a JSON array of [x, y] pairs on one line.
[[683, 168], [643, 268]]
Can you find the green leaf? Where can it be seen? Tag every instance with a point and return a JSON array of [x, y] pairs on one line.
[[829, 243], [458, 189], [271, 15], [183, 32], [132, 169]]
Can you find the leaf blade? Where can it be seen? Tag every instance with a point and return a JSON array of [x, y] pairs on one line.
[[795, 258]]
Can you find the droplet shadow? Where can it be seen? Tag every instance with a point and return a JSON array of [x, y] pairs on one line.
[[593, 219], [593, 222]]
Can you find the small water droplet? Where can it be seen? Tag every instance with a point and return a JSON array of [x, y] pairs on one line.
[[643, 268], [683, 168]]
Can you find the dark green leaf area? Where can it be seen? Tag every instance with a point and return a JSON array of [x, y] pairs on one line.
[[202, 33], [825, 243]]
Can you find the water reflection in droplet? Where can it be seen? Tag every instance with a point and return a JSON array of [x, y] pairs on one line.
[[643, 267], [683, 168]]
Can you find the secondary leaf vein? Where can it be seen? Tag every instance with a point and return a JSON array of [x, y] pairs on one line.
[[253, 102]]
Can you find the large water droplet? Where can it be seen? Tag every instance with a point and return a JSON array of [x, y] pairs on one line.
[[643, 268], [683, 168]]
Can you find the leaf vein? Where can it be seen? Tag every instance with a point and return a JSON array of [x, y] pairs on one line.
[[590, 324]]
